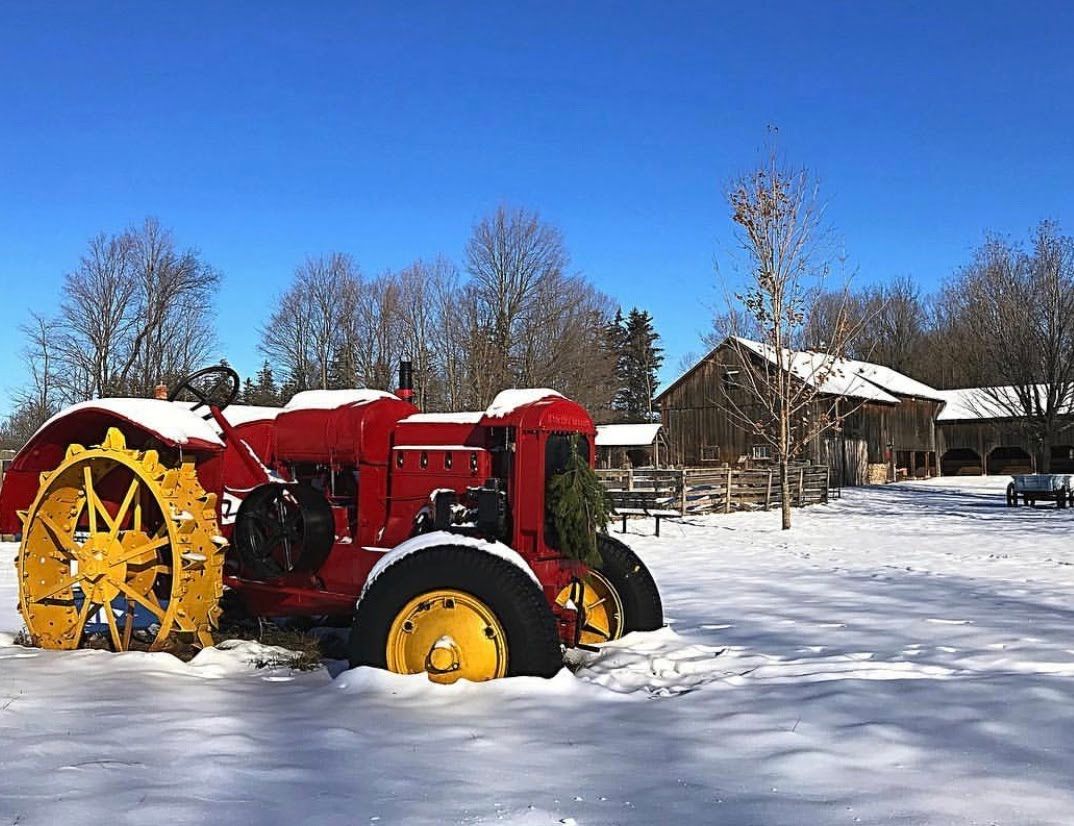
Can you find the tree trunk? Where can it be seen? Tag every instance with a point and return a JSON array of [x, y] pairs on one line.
[[1048, 438], [785, 494]]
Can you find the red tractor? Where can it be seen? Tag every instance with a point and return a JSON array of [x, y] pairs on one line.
[[428, 532]]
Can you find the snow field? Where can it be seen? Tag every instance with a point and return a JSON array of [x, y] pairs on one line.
[[903, 656]]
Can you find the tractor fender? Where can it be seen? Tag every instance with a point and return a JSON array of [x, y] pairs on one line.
[[438, 539]]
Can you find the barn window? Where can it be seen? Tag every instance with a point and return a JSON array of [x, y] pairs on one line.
[[761, 452], [730, 379]]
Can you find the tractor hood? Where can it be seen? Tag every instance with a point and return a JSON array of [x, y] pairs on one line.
[[538, 409], [171, 423]]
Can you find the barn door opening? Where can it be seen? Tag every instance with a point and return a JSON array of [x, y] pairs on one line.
[[1009, 460], [961, 461]]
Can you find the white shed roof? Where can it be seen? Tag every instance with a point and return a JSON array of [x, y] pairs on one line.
[[626, 435], [984, 403]]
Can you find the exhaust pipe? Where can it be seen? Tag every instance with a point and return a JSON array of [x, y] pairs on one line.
[[406, 381]]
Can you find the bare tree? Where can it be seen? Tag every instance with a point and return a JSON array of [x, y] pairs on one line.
[[510, 255], [135, 312], [39, 398], [306, 336], [1020, 303], [788, 395], [519, 320]]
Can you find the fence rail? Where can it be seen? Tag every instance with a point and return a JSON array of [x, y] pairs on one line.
[[722, 490]]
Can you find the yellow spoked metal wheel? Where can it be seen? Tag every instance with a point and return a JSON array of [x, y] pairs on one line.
[[599, 607], [113, 530], [450, 635]]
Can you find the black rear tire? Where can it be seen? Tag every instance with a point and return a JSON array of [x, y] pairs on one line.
[[520, 606], [642, 607]]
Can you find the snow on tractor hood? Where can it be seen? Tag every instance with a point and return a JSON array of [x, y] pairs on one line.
[[332, 399], [172, 423], [508, 401]]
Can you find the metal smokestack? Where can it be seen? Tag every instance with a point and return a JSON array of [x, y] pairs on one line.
[[406, 381]]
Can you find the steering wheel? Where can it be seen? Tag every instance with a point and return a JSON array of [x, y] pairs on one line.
[[216, 386]]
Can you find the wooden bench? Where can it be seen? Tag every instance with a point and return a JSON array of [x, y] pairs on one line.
[[652, 503]]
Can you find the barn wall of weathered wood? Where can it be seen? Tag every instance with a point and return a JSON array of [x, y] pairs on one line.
[[700, 430]]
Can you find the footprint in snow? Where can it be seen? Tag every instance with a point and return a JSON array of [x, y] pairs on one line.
[[655, 663]]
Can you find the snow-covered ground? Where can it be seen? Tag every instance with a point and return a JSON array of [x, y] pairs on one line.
[[903, 656]]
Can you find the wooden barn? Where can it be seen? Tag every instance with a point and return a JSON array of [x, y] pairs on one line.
[[978, 435], [888, 433]]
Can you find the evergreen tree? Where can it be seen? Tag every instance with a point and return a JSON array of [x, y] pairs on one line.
[[264, 392], [267, 392], [579, 508], [640, 357], [343, 371]]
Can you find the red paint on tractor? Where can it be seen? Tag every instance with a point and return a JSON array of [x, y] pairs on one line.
[[377, 467]]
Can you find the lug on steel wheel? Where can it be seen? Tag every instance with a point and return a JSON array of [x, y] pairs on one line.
[[600, 609], [118, 547]]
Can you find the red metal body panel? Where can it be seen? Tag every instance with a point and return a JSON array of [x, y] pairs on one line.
[[388, 468]]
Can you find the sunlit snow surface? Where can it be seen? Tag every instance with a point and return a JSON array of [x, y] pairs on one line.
[[903, 656]]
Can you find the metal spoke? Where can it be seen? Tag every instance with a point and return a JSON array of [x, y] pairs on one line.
[[63, 542], [121, 514], [154, 568], [152, 606], [128, 625], [113, 628], [94, 503], [600, 632], [87, 482], [80, 621], [145, 548], [63, 586]]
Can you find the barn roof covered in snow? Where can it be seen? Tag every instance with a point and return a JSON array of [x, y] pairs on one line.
[[985, 403], [626, 435], [836, 377], [893, 381]]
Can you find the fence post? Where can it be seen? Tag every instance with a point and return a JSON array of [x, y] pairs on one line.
[[827, 481], [630, 478], [727, 498], [801, 486], [768, 491], [682, 491]]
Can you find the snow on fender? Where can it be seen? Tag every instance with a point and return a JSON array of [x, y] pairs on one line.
[[440, 539]]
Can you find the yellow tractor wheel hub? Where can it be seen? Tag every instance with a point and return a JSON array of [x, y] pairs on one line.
[[113, 529], [599, 607], [449, 635]]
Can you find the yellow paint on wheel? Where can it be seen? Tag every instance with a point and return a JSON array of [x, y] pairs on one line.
[[599, 607], [449, 635], [113, 529]]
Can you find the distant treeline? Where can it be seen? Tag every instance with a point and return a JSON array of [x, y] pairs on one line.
[[138, 311], [1004, 318]]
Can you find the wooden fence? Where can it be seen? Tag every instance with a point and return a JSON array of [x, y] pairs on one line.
[[722, 490]]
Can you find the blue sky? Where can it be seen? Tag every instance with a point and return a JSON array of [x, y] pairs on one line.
[[264, 132]]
